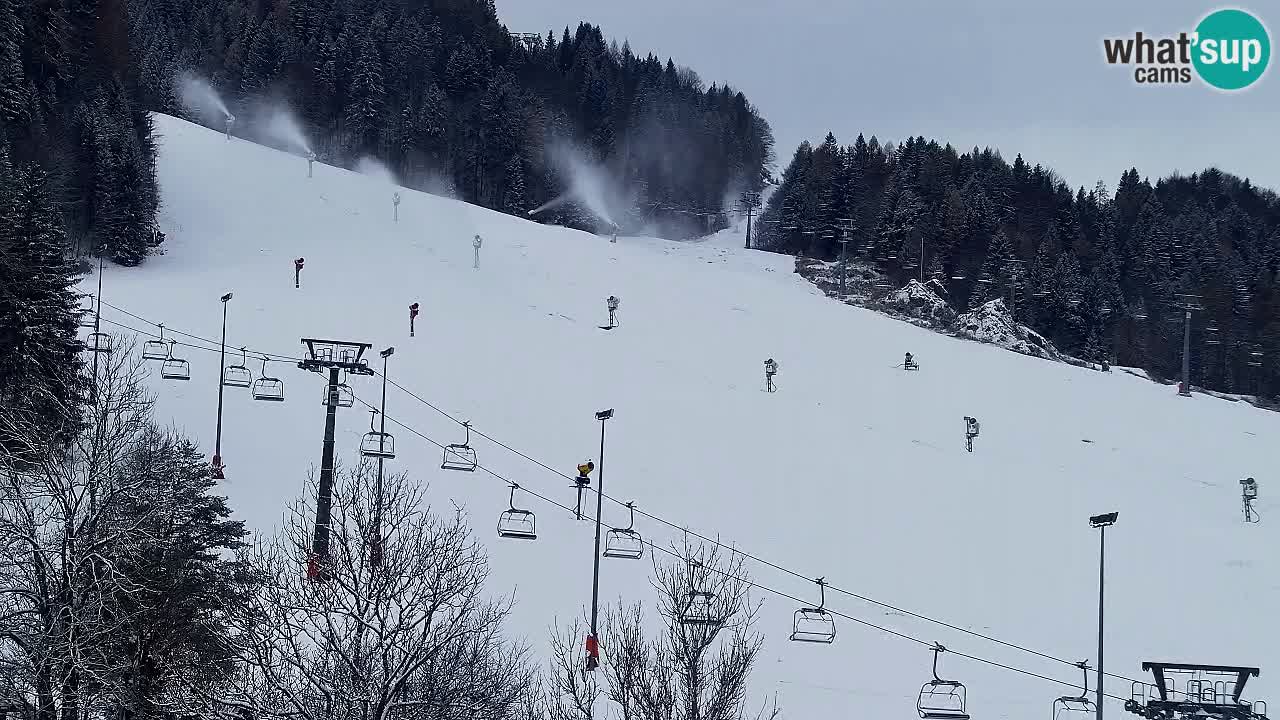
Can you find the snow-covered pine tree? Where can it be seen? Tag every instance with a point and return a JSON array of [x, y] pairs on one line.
[[39, 308]]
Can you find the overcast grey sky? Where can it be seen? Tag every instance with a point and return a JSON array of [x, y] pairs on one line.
[[1019, 75]]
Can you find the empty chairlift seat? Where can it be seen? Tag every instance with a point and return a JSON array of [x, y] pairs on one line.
[[460, 456], [267, 388], [625, 543], [942, 699], [339, 395], [238, 375], [1073, 707], [99, 342], [156, 349], [517, 523], [814, 624], [175, 368], [699, 609], [377, 444]]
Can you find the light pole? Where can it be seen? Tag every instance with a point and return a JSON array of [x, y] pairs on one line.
[[375, 551], [1189, 304], [1102, 522], [593, 639], [846, 227], [222, 376]]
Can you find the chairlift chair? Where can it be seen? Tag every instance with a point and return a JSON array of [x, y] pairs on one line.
[[99, 342], [377, 445], [87, 313], [1076, 707], [175, 368], [625, 543], [270, 389], [814, 625], [460, 456], [699, 607], [339, 395], [238, 375], [516, 523], [156, 349], [941, 699]]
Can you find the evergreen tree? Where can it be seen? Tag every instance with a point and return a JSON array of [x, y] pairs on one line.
[[513, 200], [39, 308], [366, 98], [13, 100]]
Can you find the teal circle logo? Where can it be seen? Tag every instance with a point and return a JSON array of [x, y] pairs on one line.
[[1232, 49]]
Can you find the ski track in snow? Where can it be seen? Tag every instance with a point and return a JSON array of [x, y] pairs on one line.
[[853, 470]]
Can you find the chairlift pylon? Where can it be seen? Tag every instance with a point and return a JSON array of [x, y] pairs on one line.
[[625, 543], [238, 376], [815, 624], [156, 349], [175, 368], [376, 444], [517, 523], [460, 456], [942, 699], [1076, 707], [267, 388]]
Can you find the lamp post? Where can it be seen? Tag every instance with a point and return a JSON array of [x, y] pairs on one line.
[[593, 639], [222, 376], [1102, 522], [375, 551]]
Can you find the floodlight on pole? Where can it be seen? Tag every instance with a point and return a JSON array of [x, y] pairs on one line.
[[218, 473], [593, 638], [1102, 522]]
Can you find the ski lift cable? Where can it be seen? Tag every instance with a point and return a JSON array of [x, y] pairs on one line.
[[214, 343], [718, 543], [750, 556], [755, 584]]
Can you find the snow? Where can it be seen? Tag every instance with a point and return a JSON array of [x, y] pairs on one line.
[[852, 470], [991, 323]]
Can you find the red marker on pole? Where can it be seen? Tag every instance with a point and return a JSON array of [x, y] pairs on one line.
[[297, 272], [413, 313]]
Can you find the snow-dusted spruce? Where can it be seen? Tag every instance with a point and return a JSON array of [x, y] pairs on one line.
[[696, 669], [112, 582], [413, 637]]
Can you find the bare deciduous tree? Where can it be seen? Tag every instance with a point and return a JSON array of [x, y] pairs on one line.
[[62, 536], [695, 669], [412, 637]]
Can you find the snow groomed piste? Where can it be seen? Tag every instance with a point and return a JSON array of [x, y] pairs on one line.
[[851, 471]]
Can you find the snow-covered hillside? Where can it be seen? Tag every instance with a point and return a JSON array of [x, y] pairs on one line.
[[853, 470]]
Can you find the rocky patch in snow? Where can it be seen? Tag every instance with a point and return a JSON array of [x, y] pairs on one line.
[[992, 323]]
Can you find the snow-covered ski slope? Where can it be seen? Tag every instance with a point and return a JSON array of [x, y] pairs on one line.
[[852, 470]]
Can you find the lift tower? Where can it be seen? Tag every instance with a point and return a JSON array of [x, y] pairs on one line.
[[336, 356]]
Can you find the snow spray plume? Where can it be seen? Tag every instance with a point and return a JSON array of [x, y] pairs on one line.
[[281, 126], [589, 184], [201, 100], [376, 170]]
